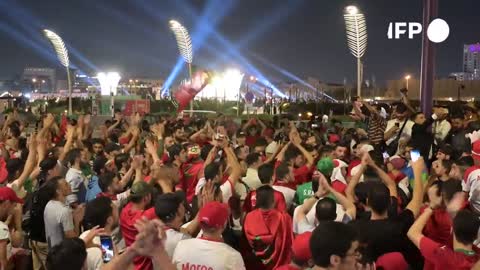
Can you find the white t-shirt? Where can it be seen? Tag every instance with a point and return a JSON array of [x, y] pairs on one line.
[[173, 238], [288, 194], [77, 182], [227, 189], [5, 235], [197, 253], [471, 185], [309, 223], [251, 179], [271, 148]]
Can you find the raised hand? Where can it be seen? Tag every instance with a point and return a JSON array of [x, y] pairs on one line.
[[149, 240], [474, 136]]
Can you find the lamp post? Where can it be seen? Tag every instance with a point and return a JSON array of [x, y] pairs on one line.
[[108, 84], [407, 78], [62, 54], [356, 30]]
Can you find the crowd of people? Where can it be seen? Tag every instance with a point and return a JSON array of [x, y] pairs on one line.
[[401, 190]]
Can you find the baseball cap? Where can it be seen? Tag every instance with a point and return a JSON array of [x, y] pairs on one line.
[[110, 147], [333, 138], [140, 189], [301, 247], [241, 134], [214, 214], [476, 150], [166, 205], [397, 162], [325, 166], [7, 194]]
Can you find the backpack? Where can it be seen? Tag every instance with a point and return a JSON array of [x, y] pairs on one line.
[[33, 222]]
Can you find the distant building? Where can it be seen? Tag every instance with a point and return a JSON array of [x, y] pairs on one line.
[[471, 64], [39, 79], [471, 58], [146, 88], [443, 89]]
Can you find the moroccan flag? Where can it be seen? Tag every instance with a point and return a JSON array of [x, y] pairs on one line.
[[269, 234]]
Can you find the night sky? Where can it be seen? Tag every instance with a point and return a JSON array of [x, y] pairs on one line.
[[304, 37]]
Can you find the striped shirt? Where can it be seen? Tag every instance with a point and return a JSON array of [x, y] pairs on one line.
[[376, 128]]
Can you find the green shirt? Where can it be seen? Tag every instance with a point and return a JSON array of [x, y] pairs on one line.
[[305, 191]]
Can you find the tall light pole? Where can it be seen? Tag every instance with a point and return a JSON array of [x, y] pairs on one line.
[[108, 84], [427, 71], [407, 78], [356, 29], [185, 48], [62, 54]]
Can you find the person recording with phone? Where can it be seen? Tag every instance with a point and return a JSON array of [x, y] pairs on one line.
[[422, 137], [399, 128]]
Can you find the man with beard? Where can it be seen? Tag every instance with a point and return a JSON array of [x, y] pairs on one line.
[[179, 134], [139, 207], [177, 156], [456, 136], [101, 212]]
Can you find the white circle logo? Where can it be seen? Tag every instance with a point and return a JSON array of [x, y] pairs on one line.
[[438, 31]]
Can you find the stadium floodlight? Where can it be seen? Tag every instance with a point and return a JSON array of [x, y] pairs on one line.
[[108, 85], [62, 54], [356, 29], [233, 79]]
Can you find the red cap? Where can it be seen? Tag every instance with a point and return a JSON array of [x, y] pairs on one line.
[[7, 194], [333, 138], [392, 261], [301, 247], [214, 214], [476, 150]]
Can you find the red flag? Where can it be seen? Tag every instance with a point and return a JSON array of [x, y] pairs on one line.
[[187, 91], [269, 233]]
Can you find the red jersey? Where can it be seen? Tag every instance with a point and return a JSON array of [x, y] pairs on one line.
[[190, 178], [354, 163], [442, 257], [251, 201], [302, 174], [128, 217], [250, 140], [439, 226], [112, 197]]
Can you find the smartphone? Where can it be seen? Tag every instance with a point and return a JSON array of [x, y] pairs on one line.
[[385, 155], [415, 155], [397, 124], [107, 248]]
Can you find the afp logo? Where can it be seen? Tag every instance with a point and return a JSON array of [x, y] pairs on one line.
[[437, 31]]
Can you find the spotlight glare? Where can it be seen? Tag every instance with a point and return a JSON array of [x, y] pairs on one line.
[[352, 10]]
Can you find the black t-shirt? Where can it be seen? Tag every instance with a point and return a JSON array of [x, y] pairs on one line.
[[378, 237]]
